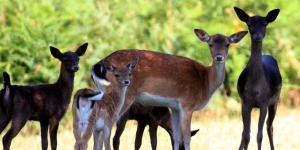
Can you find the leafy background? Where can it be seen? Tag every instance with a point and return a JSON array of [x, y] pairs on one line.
[[28, 28]]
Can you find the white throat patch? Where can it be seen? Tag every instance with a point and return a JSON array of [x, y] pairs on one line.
[[100, 84]]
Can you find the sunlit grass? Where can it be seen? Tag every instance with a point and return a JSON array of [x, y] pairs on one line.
[[216, 133]]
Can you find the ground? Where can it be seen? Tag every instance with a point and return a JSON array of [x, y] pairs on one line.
[[215, 134]]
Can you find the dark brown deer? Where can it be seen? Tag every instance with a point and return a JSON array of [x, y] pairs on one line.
[[92, 117], [180, 83], [259, 84], [46, 103], [146, 115]]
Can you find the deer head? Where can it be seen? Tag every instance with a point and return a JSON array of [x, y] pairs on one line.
[[219, 44], [257, 24], [121, 74], [69, 59]]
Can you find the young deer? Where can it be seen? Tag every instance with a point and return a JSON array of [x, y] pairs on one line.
[[46, 103], [95, 116], [259, 84], [146, 115], [180, 83]]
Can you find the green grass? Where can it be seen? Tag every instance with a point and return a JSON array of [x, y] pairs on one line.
[[216, 133]]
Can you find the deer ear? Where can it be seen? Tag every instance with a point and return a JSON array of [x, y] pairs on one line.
[[108, 65], [243, 16], [55, 52], [81, 49], [202, 35], [272, 15], [234, 38], [132, 64]]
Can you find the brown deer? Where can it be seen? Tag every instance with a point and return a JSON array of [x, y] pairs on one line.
[[259, 84], [91, 117], [180, 83], [46, 103], [146, 115]]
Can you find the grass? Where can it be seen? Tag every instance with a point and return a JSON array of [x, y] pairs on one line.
[[216, 133]]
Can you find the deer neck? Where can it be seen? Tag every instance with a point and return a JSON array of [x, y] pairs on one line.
[[216, 75], [66, 82], [118, 95], [255, 61]]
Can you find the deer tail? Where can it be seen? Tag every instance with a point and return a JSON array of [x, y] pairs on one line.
[[6, 93], [6, 79]]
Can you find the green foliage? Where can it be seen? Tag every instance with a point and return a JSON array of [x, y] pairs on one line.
[[28, 28]]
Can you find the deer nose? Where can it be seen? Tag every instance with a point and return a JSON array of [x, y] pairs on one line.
[[75, 68], [126, 82], [219, 58], [258, 37]]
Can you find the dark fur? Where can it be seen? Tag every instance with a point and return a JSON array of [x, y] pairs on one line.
[[146, 115], [46, 103], [260, 83], [5, 103], [101, 72]]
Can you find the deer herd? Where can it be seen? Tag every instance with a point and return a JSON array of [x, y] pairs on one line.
[[139, 85]]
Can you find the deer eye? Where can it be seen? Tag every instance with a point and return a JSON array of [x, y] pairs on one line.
[[117, 76], [129, 74], [67, 61], [227, 45], [210, 45]]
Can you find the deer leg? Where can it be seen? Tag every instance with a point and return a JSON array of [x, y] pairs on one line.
[[4, 120], [246, 116], [83, 146], [16, 126], [153, 134], [262, 117], [170, 132], [106, 137], [167, 125], [186, 128], [272, 112], [119, 130], [77, 145], [54, 123], [139, 135], [44, 134], [100, 141], [176, 129], [97, 144]]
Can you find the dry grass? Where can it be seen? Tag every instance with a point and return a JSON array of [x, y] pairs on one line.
[[215, 134]]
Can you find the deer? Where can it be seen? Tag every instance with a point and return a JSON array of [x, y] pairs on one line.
[[46, 103], [259, 84], [92, 115], [146, 115], [180, 83]]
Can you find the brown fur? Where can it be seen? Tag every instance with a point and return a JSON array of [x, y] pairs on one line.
[[45, 103], [82, 139], [106, 109], [188, 82]]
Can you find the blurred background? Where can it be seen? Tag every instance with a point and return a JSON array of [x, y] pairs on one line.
[[28, 28]]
